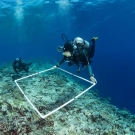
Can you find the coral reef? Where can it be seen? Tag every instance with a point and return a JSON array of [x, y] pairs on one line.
[[88, 115], [4, 127]]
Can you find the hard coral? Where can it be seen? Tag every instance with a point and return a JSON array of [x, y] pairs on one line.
[[4, 127]]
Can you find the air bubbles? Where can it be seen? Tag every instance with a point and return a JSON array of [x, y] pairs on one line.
[[19, 11]]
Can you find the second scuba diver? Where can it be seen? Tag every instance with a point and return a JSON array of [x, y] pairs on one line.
[[19, 66]]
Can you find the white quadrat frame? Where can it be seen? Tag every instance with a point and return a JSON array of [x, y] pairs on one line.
[[40, 114]]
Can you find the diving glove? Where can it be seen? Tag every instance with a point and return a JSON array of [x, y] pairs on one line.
[[54, 67], [94, 38], [92, 78], [59, 48]]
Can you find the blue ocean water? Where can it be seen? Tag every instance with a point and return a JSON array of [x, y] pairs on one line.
[[32, 29]]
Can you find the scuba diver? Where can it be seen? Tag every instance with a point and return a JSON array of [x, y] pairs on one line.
[[19, 66], [78, 51]]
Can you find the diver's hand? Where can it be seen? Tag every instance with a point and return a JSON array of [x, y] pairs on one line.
[[59, 48], [94, 38], [54, 67], [93, 79]]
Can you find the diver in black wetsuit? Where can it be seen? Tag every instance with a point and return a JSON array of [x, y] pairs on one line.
[[79, 51], [19, 66]]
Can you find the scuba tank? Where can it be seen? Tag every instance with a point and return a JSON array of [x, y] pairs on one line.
[[81, 43]]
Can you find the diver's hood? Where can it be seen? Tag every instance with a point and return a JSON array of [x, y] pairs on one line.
[[68, 47], [17, 59]]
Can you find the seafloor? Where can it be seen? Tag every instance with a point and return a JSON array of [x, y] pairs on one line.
[[87, 115]]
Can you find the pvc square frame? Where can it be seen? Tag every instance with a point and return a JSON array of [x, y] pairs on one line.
[[32, 105]]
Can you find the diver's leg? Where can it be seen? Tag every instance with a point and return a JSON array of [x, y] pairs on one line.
[[92, 48]]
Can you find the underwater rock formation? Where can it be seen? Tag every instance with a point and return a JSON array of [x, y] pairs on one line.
[[88, 115]]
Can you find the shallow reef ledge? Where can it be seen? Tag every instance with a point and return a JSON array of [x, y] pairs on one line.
[[87, 115]]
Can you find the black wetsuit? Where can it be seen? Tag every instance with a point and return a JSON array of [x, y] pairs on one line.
[[80, 55], [19, 66]]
